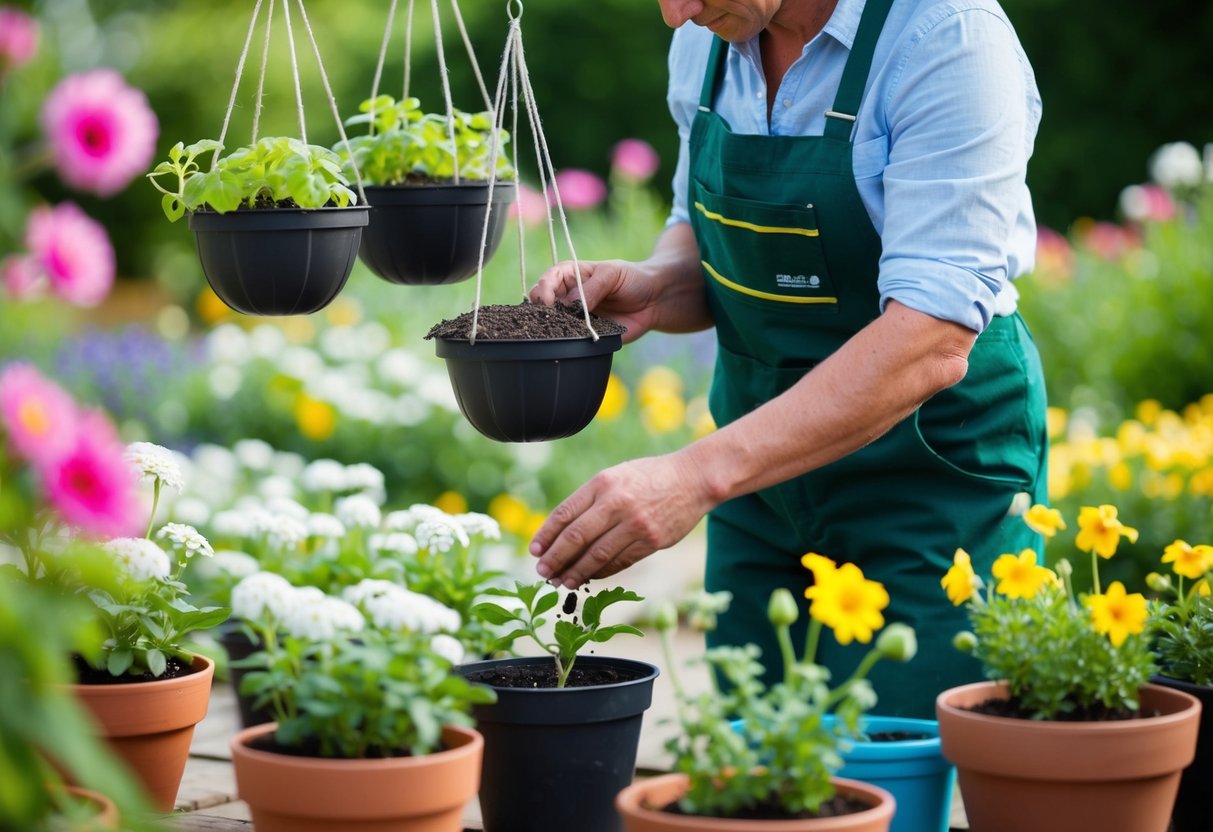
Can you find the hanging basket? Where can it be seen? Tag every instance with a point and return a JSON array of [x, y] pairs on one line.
[[429, 235], [278, 261]]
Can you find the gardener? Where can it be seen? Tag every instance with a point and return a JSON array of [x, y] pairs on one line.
[[850, 209]]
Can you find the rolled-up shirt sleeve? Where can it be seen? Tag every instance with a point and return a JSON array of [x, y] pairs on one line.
[[960, 131]]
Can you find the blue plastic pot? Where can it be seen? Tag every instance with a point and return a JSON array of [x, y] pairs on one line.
[[914, 771]]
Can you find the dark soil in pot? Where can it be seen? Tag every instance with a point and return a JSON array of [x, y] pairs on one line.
[[896, 736], [527, 676], [88, 675], [1097, 713], [525, 322], [836, 806]]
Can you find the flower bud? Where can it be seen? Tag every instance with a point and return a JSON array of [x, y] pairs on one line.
[[897, 642], [666, 618], [965, 641], [1063, 569], [1158, 583], [781, 610]]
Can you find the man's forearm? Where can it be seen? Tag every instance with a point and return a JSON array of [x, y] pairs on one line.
[[677, 279]]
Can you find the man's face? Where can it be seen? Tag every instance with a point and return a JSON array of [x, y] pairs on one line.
[[734, 20]]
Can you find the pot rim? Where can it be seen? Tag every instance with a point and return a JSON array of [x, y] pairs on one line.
[[629, 801], [239, 745], [652, 671], [121, 688], [281, 219]]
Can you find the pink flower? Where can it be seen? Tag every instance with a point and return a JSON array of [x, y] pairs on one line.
[[21, 277], [18, 38], [92, 487], [530, 206], [1146, 203], [38, 416], [73, 250], [579, 189], [1106, 240], [101, 130], [635, 159], [1054, 256]]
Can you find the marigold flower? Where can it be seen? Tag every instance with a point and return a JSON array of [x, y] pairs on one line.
[[1019, 576], [960, 582], [101, 131], [821, 566], [1117, 614], [849, 604], [1101, 531], [1189, 561], [1044, 520], [73, 251]]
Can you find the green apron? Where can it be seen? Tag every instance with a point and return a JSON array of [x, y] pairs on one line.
[[790, 261]]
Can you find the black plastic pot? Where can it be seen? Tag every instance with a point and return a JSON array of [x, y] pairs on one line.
[[239, 646], [428, 235], [554, 758], [1191, 812], [278, 261], [529, 391]]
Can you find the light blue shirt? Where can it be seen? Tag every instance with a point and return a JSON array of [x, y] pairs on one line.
[[942, 142]]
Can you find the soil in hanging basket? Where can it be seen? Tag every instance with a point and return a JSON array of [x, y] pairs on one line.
[[533, 373]]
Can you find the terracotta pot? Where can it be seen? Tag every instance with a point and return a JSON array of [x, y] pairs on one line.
[[104, 812], [288, 793], [150, 725], [1191, 813], [1017, 774], [641, 804]]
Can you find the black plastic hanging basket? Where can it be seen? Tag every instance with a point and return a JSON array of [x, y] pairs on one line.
[[429, 235], [529, 391], [278, 261]]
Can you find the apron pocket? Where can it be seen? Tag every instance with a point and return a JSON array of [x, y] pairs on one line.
[[766, 254]]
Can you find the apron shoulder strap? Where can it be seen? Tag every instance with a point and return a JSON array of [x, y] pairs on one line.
[[714, 73], [841, 118]]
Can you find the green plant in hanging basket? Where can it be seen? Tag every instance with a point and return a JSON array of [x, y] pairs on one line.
[[274, 172], [407, 146]]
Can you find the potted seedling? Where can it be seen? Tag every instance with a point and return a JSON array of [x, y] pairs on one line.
[[561, 739], [276, 222], [426, 177]]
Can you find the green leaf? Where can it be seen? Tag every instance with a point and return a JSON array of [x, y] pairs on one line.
[[119, 661], [592, 607], [494, 614], [545, 602], [156, 662], [173, 208], [606, 633]]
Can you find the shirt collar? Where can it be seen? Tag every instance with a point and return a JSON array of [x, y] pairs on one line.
[[842, 26]]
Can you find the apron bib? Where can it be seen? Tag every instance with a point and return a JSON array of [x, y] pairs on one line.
[[790, 260]]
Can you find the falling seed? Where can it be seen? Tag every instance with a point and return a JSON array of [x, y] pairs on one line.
[[570, 603]]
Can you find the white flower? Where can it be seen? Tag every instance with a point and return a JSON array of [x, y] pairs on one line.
[[142, 559], [288, 508], [254, 454], [282, 531], [274, 487], [227, 343], [216, 460], [480, 525], [408, 519], [323, 619], [225, 381], [357, 511], [267, 340], [234, 522], [440, 534], [368, 588], [326, 526], [396, 543], [1177, 164], [323, 475], [409, 410], [187, 539], [190, 510], [155, 462], [402, 609], [1208, 158], [362, 476], [262, 594], [300, 362], [231, 563], [449, 647], [307, 594], [399, 366], [288, 464]]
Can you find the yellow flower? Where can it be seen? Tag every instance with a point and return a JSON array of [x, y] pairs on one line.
[[512, 514], [316, 419], [1201, 587], [1120, 476], [534, 520], [821, 566], [210, 308], [614, 400], [1044, 520], [1019, 576], [1189, 561], [343, 312], [664, 412], [1149, 411], [848, 604], [658, 382], [452, 502], [1056, 419], [1116, 614], [961, 581], [1101, 531]]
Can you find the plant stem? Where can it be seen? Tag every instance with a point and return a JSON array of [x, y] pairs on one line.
[[811, 639], [784, 633], [839, 692], [1095, 572], [151, 520]]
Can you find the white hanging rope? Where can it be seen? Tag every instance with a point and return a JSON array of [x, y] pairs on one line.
[[290, 39], [521, 238], [265, 59], [445, 74], [467, 44], [408, 50], [231, 102], [324, 79], [387, 36]]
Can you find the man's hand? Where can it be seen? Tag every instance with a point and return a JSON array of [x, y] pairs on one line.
[[613, 289]]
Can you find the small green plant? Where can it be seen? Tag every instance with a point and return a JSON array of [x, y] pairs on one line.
[[405, 145], [569, 635], [1062, 654], [276, 172], [1183, 638], [751, 748]]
